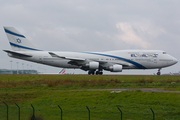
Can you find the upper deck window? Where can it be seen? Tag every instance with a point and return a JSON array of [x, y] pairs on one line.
[[164, 52]]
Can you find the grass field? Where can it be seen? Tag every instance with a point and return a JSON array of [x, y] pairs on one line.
[[46, 92]]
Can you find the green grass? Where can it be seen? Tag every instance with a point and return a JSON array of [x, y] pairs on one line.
[[46, 92], [67, 82]]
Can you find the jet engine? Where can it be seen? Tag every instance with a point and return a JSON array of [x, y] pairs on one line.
[[115, 68], [93, 65]]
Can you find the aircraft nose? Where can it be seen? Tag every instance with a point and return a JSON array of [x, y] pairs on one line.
[[175, 60]]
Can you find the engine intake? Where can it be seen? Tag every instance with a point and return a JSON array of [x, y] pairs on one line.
[[115, 68]]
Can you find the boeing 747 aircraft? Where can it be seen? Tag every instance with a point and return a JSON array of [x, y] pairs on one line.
[[93, 62]]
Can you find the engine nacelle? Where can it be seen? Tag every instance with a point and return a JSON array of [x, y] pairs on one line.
[[93, 65], [115, 68]]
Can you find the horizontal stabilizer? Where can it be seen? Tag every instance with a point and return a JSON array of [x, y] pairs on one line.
[[17, 53]]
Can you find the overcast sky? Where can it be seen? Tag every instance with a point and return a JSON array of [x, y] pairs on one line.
[[92, 25]]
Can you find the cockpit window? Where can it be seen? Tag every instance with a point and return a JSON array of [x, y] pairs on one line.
[[164, 52]]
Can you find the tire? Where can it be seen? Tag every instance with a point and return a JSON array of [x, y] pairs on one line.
[[158, 73], [89, 73], [101, 73], [92, 72]]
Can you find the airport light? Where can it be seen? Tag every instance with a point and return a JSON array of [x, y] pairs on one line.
[[17, 67], [27, 69], [23, 67], [11, 66]]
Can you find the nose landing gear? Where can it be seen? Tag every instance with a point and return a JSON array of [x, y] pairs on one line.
[[159, 72]]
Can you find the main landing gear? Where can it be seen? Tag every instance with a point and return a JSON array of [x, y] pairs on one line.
[[159, 72], [99, 72], [92, 72]]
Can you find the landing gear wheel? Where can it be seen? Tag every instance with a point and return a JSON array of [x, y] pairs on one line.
[[100, 72], [91, 72], [97, 72], [159, 72]]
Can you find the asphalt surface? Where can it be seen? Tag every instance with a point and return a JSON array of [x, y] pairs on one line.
[[141, 89]]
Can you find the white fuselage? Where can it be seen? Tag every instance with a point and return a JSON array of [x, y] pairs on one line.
[[130, 59], [93, 62]]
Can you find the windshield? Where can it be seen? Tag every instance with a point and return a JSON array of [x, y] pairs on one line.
[[164, 52]]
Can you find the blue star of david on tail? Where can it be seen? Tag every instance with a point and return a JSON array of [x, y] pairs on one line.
[[18, 40]]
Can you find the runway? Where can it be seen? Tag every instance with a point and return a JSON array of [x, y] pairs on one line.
[[132, 89]]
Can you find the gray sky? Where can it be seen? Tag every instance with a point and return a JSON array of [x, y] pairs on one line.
[[92, 25]]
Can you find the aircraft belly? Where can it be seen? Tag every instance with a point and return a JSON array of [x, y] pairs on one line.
[[154, 64], [60, 63]]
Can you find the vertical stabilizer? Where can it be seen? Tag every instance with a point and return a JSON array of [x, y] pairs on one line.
[[18, 41], [62, 71]]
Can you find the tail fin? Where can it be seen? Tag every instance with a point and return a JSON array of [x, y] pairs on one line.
[[62, 71], [18, 41]]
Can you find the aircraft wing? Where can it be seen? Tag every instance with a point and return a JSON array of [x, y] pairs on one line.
[[17, 53], [68, 58], [79, 61]]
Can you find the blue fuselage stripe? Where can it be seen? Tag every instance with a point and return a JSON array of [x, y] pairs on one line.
[[12, 33], [15, 45], [120, 58]]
